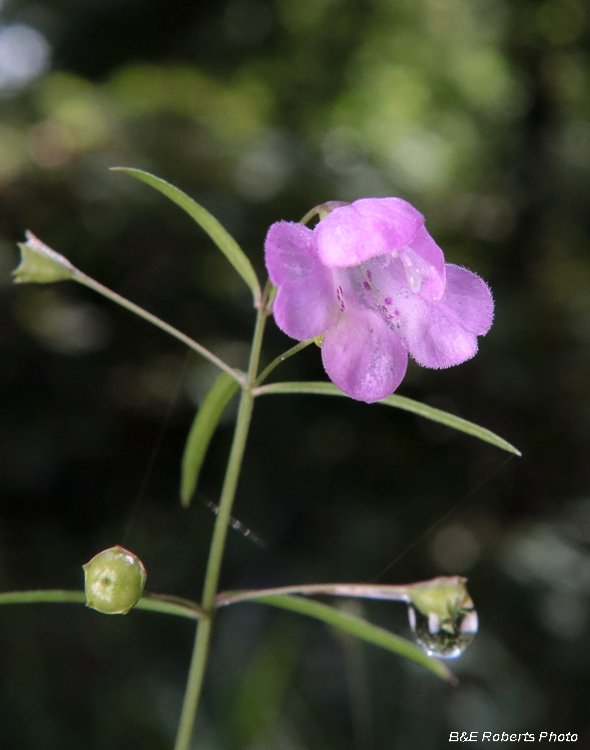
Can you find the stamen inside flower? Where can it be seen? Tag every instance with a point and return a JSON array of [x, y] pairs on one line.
[[413, 274]]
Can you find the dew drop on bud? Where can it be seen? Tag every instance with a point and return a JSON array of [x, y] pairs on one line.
[[114, 581], [443, 639], [442, 617]]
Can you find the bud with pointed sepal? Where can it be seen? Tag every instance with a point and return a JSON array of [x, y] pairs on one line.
[[114, 581], [442, 616], [40, 264]]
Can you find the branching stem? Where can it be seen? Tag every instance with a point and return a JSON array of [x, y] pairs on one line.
[[281, 358], [202, 640], [81, 278]]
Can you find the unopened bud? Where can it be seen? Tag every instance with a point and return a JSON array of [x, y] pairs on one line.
[[114, 581], [40, 264]]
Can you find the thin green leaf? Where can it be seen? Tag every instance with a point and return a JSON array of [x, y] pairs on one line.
[[168, 605], [401, 402], [360, 628], [201, 432], [224, 241], [42, 595]]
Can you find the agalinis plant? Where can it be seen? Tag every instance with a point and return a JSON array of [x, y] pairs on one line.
[[368, 284]]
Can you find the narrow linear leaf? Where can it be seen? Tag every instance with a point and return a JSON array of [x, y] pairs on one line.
[[450, 420], [201, 432], [42, 595], [220, 236], [167, 605], [401, 402], [360, 628]]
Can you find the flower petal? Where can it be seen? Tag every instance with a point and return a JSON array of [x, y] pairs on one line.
[[429, 267], [305, 303], [363, 356], [303, 309], [290, 252], [469, 299], [444, 333], [366, 228]]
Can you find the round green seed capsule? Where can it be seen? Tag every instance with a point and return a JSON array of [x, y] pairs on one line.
[[114, 581]]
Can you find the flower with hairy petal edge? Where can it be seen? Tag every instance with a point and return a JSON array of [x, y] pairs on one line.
[[372, 280]]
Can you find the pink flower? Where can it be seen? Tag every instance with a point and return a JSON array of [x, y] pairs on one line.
[[372, 280]]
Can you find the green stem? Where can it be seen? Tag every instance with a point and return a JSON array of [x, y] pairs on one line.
[[47, 595], [351, 590], [289, 353], [202, 640], [114, 297], [168, 605]]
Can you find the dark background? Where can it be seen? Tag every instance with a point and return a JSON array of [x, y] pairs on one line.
[[476, 111]]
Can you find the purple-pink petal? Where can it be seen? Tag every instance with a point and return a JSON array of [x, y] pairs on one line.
[[363, 356], [366, 228], [303, 309], [444, 333], [290, 252], [427, 249], [469, 299]]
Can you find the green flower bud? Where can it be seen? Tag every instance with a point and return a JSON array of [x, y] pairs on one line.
[[40, 264], [114, 581], [442, 616]]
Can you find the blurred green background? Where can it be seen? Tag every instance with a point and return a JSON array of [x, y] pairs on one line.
[[477, 112]]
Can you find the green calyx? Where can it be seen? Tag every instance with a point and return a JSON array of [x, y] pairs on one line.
[[114, 581], [40, 264], [443, 597], [322, 210]]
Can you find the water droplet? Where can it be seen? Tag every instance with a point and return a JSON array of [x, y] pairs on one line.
[[445, 639]]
